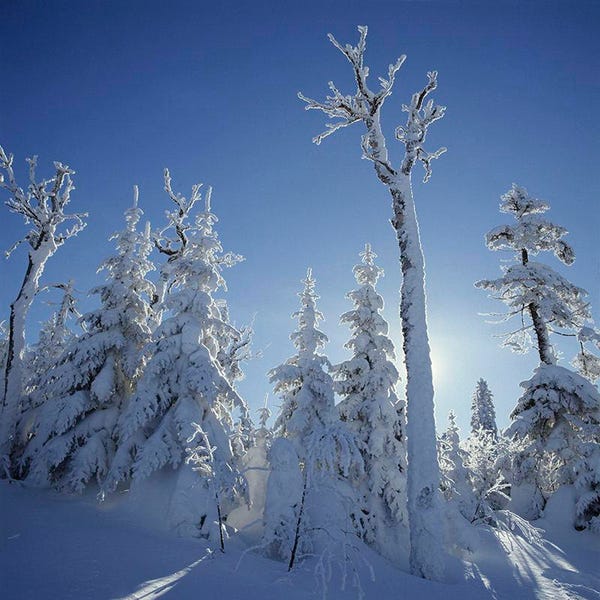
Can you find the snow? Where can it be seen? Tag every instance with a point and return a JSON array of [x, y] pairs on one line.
[[53, 546]]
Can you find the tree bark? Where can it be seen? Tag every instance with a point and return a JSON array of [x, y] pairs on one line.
[[539, 326]]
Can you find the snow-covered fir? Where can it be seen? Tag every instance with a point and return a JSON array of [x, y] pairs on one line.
[[483, 413], [183, 386], [73, 437], [309, 500], [557, 425], [370, 407]]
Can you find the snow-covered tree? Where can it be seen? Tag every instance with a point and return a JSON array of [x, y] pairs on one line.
[[586, 362], [370, 407], [318, 501], [42, 206], [54, 336], [483, 414], [557, 424], [485, 459], [455, 483], [73, 438], [364, 106], [183, 382], [542, 298]]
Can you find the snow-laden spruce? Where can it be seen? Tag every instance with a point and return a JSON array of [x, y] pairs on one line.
[[557, 422], [364, 106], [370, 407], [73, 437], [54, 336], [309, 500], [183, 386], [586, 362], [541, 298], [42, 206], [483, 413], [456, 483]]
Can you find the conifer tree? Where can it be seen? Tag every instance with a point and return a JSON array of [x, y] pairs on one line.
[[542, 298], [483, 414], [456, 483], [557, 425], [183, 387], [73, 438], [317, 455], [370, 407], [364, 106]]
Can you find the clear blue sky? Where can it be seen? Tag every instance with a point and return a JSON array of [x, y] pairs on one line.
[[119, 90]]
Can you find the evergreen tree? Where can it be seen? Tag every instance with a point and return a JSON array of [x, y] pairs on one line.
[[456, 483], [483, 414], [73, 436], [372, 411], [183, 387], [311, 466], [533, 290], [557, 425]]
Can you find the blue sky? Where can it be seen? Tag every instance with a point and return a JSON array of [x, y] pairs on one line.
[[120, 90]]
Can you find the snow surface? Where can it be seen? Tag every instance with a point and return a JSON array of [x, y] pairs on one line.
[[56, 547]]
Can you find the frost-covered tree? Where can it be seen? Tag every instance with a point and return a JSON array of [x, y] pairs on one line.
[[370, 407], [486, 456], [542, 298], [483, 414], [557, 425], [73, 438], [586, 362], [456, 483], [54, 336], [364, 106], [318, 455], [183, 382], [42, 206]]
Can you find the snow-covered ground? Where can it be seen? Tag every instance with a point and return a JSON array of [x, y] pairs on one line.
[[52, 547]]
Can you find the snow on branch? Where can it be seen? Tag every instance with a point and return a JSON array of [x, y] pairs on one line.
[[364, 103], [43, 204]]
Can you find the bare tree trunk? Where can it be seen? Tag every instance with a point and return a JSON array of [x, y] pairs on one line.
[[539, 326], [298, 525], [13, 374]]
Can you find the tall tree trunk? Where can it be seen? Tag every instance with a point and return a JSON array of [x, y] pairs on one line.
[[539, 326], [423, 477]]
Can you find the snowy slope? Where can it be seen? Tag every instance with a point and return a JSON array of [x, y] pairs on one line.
[[52, 547]]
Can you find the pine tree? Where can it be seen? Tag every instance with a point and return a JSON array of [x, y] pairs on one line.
[[372, 410], [54, 336], [533, 290], [183, 387], [483, 414], [557, 424], [42, 207], [456, 483], [364, 106], [311, 466], [74, 434]]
